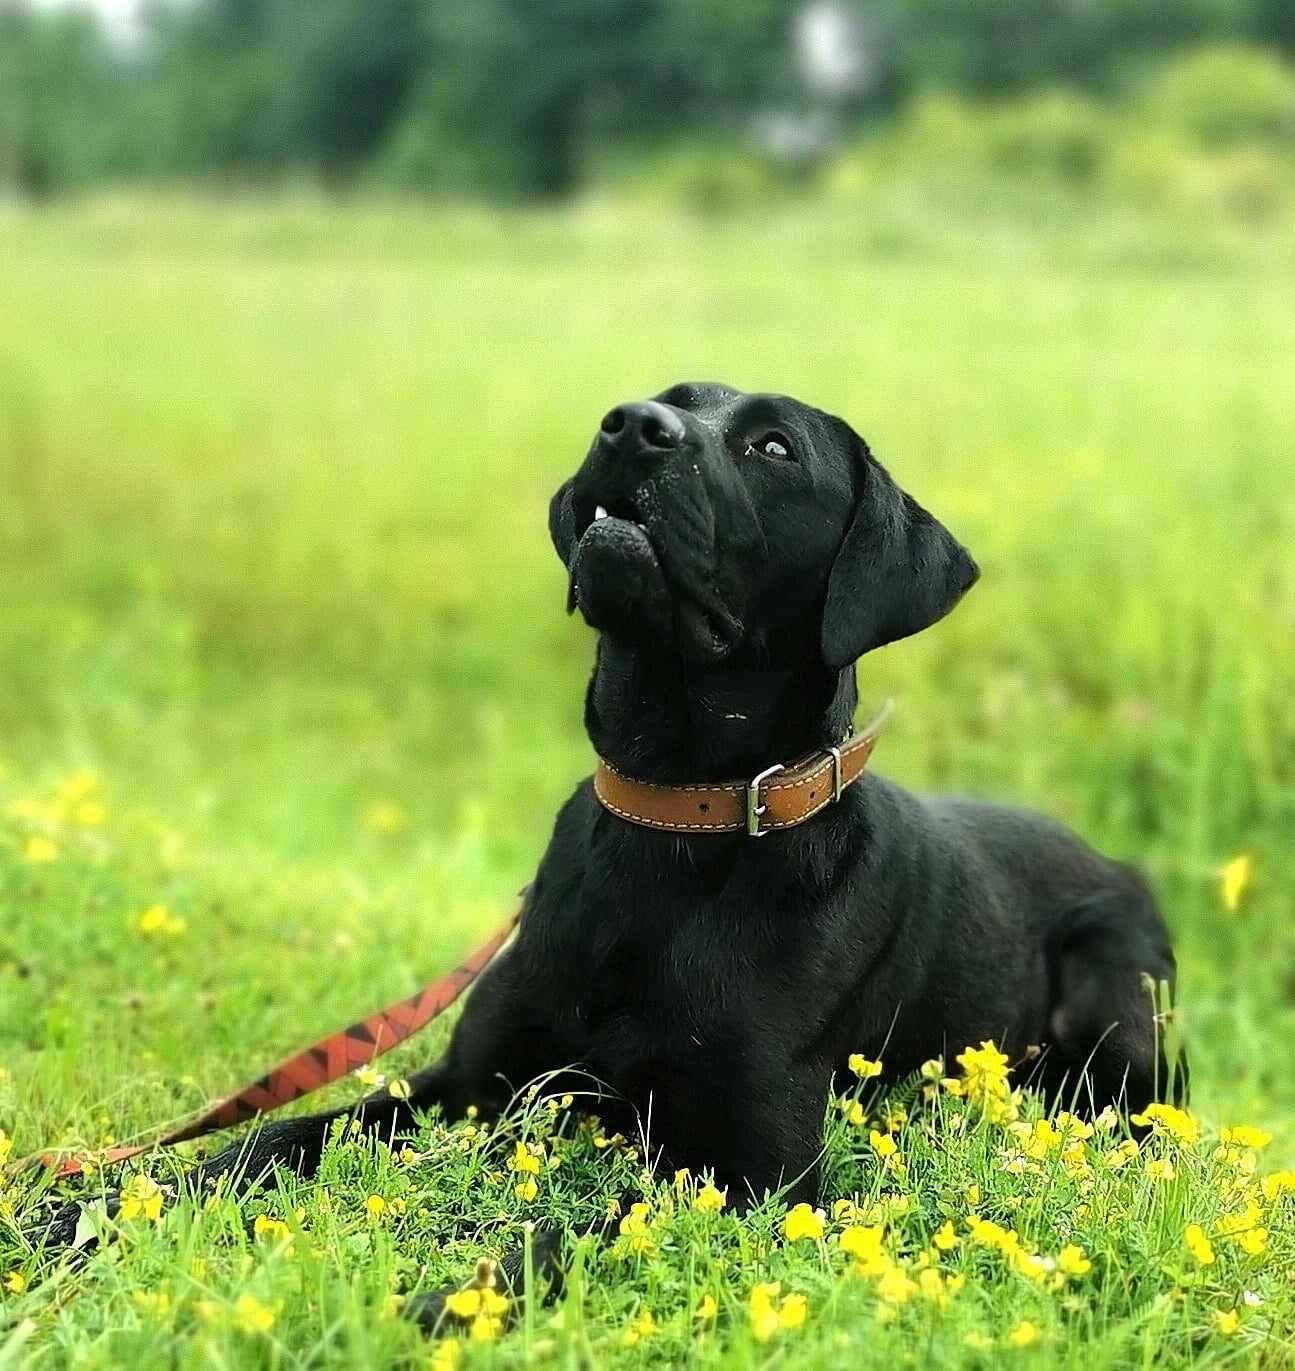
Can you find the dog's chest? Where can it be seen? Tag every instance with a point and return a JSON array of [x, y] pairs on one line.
[[650, 994]]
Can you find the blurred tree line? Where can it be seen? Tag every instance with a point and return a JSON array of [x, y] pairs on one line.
[[522, 97]]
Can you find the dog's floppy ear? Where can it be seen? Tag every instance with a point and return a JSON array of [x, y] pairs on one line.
[[898, 570], [562, 523]]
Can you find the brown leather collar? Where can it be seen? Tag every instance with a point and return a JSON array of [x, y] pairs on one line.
[[779, 797]]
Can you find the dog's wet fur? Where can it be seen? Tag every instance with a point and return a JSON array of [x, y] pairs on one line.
[[737, 554]]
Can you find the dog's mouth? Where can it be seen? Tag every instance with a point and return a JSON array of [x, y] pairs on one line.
[[621, 578]]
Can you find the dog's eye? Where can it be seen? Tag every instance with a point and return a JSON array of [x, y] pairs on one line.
[[771, 445]]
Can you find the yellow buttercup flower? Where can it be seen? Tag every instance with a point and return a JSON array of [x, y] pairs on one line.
[[770, 1315], [1198, 1244], [158, 921], [1273, 1187], [709, 1200], [526, 1189], [882, 1144], [1025, 1334], [792, 1311], [271, 1230], [1245, 1136], [946, 1239], [634, 1228], [863, 1068], [446, 1357], [865, 1245], [642, 1327], [1161, 1169], [1072, 1261], [1227, 1321], [142, 1198], [1168, 1120], [400, 1090], [526, 1158], [251, 1316], [1234, 880], [15, 1282], [803, 1222], [376, 1206], [39, 849], [155, 1302], [707, 1309]]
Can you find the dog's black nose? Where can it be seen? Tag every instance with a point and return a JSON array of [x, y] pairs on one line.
[[643, 427]]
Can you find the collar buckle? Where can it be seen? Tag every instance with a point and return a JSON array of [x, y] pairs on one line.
[[838, 784], [754, 809]]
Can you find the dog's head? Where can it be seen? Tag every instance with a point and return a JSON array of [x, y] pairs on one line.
[[710, 521]]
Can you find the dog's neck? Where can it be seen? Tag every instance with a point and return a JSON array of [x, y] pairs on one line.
[[674, 724]]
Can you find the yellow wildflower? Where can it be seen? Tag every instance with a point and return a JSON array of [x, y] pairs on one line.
[[446, 1356], [863, 1068], [882, 1144], [792, 1311], [376, 1206], [946, 1239], [865, 1246], [1245, 1136], [251, 1316], [1198, 1244], [855, 1114], [1273, 1187], [6, 1142], [525, 1158], [1166, 1119], [271, 1230], [1234, 880], [142, 1198], [485, 1329], [15, 1282], [707, 1309], [635, 1230], [158, 921], [526, 1189], [895, 1286], [936, 1288], [400, 1089], [802, 1221], [39, 849], [1227, 1321], [1121, 1155], [464, 1304], [770, 1315], [709, 1199], [1025, 1334], [155, 1302], [1161, 1169], [1072, 1261], [642, 1327]]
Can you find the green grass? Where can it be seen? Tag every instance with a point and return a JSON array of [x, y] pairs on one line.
[[273, 552]]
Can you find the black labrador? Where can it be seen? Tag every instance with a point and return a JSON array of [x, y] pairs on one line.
[[737, 554]]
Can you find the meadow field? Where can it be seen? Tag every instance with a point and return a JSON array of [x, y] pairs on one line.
[[275, 581]]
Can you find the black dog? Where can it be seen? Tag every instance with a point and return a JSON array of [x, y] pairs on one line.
[[737, 554]]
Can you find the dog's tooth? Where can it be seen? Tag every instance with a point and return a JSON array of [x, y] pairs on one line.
[[600, 513], [642, 527]]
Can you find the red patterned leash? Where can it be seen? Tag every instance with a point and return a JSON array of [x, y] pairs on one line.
[[327, 1061]]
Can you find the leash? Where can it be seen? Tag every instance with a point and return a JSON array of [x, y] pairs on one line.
[[317, 1066]]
